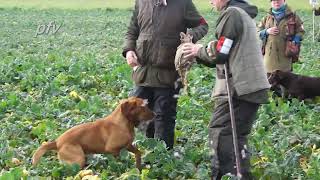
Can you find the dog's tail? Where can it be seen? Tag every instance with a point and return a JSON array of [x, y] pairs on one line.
[[42, 150]]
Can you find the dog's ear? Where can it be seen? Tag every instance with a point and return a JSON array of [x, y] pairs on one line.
[[126, 108], [277, 71], [279, 74], [275, 75], [273, 78]]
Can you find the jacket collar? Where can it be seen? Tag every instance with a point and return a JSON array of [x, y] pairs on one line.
[[288, 11]]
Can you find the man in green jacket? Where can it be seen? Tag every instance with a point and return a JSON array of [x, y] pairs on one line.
[[149, 48], [238, 46]]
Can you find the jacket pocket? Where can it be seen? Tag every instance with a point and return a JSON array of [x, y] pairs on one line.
[[141, 51], [139, 75], [167, 51], [220, 87], [167, 77]]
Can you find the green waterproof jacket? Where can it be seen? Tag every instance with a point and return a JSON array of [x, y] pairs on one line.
[[154, 34], [247, 75], [274, 57]]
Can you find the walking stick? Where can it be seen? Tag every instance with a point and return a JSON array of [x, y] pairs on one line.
[[313, 26], [313, 4], [233, 123]]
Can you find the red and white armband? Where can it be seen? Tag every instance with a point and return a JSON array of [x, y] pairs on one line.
[[223, 49]]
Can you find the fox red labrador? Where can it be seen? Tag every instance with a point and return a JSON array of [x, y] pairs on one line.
[[106, 135]]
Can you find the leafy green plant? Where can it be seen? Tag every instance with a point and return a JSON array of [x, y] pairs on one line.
[[51, 83]]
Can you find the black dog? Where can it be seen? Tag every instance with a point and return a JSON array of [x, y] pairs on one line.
[[298, 86]]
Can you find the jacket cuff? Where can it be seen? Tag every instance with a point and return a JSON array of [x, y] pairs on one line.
[[203, 58], [125, 50], [129, 45], [198, 32], [202, 53], [263, 34]]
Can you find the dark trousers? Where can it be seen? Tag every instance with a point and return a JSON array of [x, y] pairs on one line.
[[220, 137], [164, 103]]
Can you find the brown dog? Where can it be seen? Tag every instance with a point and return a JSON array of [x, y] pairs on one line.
[[106, 135], [298, 86]]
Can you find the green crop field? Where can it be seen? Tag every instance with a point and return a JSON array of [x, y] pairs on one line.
[[51, 82]]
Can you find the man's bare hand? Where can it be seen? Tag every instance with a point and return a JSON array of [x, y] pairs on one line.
[[273, 31], [190, 50], [132, 59]]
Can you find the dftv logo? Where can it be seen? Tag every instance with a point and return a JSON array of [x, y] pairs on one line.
[[46, 29]]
